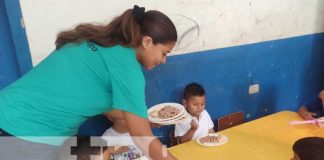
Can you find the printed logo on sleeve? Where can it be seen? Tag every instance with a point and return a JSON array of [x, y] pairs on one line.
[[92, 46]]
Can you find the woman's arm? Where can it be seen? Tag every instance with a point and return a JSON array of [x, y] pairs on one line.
[[139, 129], [114, 114]]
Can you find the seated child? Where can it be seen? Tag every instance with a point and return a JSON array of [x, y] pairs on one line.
[[309, 148], [194, 101], [115, 143], [314, 108], [119, 138]]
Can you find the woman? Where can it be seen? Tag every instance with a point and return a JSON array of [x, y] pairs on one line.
[[94, 69]]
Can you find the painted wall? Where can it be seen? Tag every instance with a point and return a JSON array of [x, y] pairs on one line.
[[221, 23], [14, 52]]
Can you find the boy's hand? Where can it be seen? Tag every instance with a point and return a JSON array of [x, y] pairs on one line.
[[308, 115], [121, 150], [117, 149], [305, 114], [194, 123], [321, 125]]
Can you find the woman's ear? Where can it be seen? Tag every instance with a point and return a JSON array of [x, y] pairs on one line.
[[147, 41]]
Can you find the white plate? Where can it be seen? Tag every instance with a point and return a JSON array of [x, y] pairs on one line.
[[155, 109], [224, 139], [185, 117]]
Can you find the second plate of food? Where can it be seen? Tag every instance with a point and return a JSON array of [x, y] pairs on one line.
[[212, 139]]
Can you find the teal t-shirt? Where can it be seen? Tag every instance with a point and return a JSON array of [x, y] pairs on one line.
[[71, 84]]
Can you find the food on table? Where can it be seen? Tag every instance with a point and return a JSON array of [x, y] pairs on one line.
[[210, 139]]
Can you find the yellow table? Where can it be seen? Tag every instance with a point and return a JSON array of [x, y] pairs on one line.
[[267, 138]]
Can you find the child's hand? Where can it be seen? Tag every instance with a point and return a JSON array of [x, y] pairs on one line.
[[194, 123], [321, 124], [308, 115], [119, 150]]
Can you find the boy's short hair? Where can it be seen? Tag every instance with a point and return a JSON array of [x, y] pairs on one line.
[[193, 89], [309, 148]]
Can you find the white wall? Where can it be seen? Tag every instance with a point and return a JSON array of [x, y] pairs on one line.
[[222, 23]]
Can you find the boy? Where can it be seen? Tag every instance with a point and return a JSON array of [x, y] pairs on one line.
[[194, 100], [309, 148]]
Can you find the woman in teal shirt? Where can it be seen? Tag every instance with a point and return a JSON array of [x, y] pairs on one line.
[[94, 69]]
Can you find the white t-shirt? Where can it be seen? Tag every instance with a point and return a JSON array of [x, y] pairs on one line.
[[205, 124], [117, 139]]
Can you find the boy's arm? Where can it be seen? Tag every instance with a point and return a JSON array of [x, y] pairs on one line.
[[321, 96], [313, 107], [139, 129], [305, 114], [108, 152], [188, 136], [211, 130]]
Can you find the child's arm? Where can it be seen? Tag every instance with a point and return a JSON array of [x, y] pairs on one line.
[[112, 150], [211, 130], [305, 114], [139, 129], [108, 152], [188, 136]]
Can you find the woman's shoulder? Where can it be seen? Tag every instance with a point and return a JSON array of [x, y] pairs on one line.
[[120, 57], [78, 48], [117, 50]]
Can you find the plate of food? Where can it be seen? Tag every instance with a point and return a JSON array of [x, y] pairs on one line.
[[212, 139], [185, 117], [165, 112]]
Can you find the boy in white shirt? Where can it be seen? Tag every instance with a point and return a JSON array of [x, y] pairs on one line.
[[120, 140], [194, 101]]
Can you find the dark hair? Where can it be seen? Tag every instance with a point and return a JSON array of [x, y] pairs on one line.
[[125, 30], [193, 89], [309, 148], [83, 149]]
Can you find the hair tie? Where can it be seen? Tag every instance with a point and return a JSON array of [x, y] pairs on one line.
[[138, 13]]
